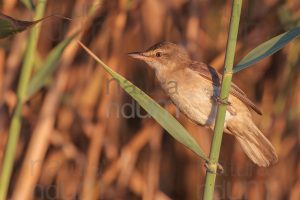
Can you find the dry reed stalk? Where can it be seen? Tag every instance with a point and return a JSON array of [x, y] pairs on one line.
[[93, 157], [137, 185], [295, 192], [131, 149], [193, 26], [13, 61], [38, 144], [2, 62], [127, 166], [152, 174], [111, 131], [50, 168], [112, 121], [89, 96], [95, 147]]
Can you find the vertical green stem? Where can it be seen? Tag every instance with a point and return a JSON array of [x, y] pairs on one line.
[[225, 87], [15, 125]]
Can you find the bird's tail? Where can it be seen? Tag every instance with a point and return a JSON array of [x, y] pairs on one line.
[[253, 142]]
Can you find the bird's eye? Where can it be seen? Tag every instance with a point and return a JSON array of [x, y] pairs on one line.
[[158, 54]]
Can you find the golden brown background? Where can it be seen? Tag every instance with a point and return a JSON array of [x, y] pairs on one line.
[[84, 138]]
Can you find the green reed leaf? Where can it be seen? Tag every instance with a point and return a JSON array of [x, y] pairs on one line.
[[40, 78], [267, 48]]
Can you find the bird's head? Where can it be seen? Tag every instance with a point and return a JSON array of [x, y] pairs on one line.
[[163, 56]]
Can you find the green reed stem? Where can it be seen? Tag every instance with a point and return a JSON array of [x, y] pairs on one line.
[[15, 125], [225, 87]]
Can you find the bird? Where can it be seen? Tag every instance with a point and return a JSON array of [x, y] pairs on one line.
[[196, 95]]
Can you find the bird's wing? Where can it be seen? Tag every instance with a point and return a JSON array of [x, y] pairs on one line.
[[212, 75]]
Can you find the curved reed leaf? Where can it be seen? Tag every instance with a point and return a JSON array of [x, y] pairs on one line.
[[267, 48], [163, 117], [10, 26]]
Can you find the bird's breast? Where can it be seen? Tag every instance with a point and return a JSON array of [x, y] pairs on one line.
[[193, 95]]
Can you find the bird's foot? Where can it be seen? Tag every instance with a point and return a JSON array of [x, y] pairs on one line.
[[222, 101], [214, 168]]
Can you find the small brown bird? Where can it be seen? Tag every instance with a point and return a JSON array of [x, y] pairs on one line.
[[197, 88]]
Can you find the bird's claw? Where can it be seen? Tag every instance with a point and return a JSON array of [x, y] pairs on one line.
[[214, 168], [222, 101]]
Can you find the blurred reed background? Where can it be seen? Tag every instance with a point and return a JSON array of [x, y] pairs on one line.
[[84, 138]]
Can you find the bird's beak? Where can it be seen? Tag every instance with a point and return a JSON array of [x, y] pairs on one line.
[[139, 55]]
